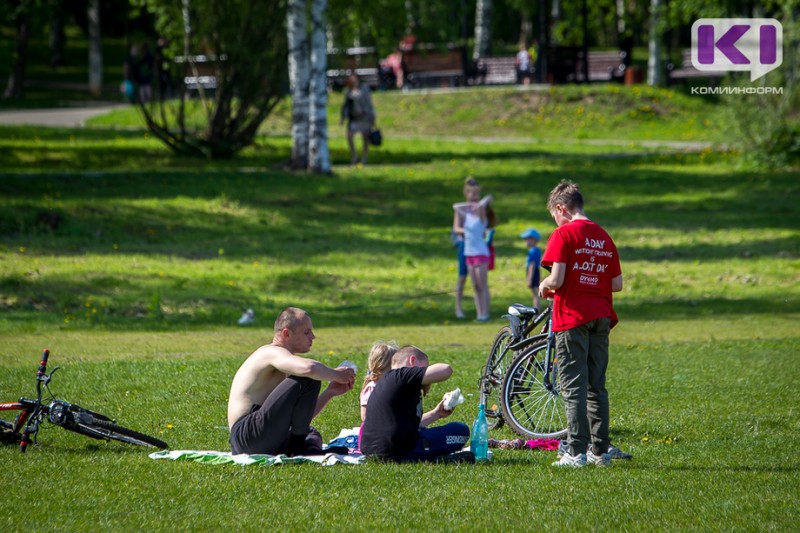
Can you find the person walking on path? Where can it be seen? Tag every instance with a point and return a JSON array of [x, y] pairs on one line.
[[585, 271], [359, 113], [276, 393], [523, 63]]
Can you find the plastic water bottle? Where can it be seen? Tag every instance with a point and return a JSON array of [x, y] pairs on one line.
[[480, 435], [350, 364]]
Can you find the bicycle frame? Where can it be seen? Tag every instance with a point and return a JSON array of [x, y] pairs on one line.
[[549, 361], [26, 407], [522, 322], [522, 329]]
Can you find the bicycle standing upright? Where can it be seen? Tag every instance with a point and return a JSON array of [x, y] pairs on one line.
[[531, 402], [509, 341]]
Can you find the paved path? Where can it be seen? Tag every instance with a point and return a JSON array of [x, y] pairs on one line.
[[74, 117]]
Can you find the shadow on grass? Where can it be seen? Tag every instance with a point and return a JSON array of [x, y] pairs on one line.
[[131, 308], [189, 214], [220, 211]]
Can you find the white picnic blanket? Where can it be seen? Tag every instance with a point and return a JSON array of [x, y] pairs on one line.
[[221, 458]]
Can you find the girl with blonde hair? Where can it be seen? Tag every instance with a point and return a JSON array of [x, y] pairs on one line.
[[379, 362]]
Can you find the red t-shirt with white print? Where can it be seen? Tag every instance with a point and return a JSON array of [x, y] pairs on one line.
[[591, 261]]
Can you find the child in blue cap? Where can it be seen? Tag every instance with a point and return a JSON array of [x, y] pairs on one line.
[[532, 263]]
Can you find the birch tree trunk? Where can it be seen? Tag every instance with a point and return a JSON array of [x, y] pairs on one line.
[[319, 154], [655, 70], [410, 22], [95, 48], [620, 9], [297, 36], [483, 29]]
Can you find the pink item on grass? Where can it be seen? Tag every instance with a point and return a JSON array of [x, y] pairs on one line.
[[543, 444]]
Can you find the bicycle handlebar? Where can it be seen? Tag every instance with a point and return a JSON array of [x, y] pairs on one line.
[[32, 427], [43, 364]]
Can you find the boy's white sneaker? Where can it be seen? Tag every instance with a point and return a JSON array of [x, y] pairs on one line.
[[575, 461], [603, 459]]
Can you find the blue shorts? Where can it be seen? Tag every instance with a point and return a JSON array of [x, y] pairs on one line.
[[439, 440], [462, 261], [535, 280]]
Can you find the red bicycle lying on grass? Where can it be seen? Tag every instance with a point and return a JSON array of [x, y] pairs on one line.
[[25, 427]]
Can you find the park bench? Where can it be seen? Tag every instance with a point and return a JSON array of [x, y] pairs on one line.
[[428, 67], [199, 71], [498, 70], [687, 71], [361, 60], [603, 66], [565, 65]]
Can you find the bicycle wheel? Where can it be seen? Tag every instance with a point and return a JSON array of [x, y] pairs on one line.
[[102, 429], [532, 407], [493, 376]]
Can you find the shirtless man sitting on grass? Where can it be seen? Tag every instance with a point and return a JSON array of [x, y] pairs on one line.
[[276, 393]]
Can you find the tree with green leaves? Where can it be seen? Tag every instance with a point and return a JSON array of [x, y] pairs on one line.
[[240, 46]]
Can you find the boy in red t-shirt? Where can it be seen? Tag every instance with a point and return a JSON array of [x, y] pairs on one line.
[[585, 270]]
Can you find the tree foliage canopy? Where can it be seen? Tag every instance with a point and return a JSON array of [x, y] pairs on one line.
[[245, 41]]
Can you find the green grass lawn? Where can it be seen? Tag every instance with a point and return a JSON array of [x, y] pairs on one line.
[[608, 112], [133, 265]]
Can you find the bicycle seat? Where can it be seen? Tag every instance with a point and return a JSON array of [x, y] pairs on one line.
[[522, 310]]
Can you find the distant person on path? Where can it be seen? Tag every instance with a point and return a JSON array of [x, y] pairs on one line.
[[472, 219], [276, 393], [532, 263], [394, 61], [395, 428], [585, 271], [130, 74], [533, 53], [523, 64], [359, 112], [146, 75]]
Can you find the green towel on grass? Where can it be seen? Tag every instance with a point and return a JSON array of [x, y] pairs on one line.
[[223, 458]]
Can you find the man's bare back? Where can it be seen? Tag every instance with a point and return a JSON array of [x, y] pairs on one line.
[[255, 379], [272, 375]]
